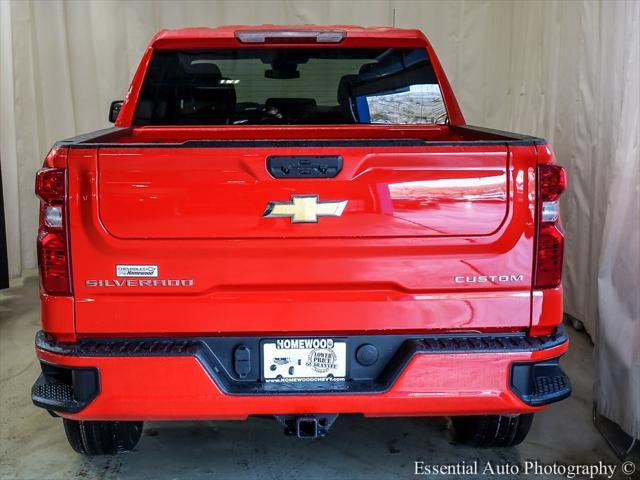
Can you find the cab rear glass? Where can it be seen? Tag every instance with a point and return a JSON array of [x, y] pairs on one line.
[[289, 86]]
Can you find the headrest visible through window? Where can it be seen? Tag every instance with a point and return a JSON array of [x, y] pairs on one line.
[[346, 96], [369, 70], [203, 74]]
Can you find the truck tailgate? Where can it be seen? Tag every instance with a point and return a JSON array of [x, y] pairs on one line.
[[430, 238], [209, 193]]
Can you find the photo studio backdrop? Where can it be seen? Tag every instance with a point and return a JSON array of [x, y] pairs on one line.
[[565, 71]]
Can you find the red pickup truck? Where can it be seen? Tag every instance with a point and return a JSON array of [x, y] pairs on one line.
[[297, 222]]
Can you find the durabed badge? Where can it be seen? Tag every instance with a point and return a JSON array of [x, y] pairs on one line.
[[304, 209]]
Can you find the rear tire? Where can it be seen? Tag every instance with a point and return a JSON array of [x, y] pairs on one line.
[[491, 430], [102, 438]]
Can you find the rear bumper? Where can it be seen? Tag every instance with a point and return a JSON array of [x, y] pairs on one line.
[[196, 378]]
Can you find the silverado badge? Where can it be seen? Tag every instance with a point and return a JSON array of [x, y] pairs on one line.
[[304, 209]]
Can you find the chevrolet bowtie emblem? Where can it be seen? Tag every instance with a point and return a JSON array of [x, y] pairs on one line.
[[304, 209]]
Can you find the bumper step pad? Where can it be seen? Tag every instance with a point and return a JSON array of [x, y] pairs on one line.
[[540, 383], [56, 393], [63, 389]]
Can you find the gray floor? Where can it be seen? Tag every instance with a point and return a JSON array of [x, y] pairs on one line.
[[32, 444]]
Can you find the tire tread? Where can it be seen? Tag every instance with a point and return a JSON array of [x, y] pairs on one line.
[[491, 431], [102, 438]]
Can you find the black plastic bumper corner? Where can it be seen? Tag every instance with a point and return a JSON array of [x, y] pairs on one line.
[[540, 383], [64, 389]]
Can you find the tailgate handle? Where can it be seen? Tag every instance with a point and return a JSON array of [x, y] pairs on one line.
[[304, 166]]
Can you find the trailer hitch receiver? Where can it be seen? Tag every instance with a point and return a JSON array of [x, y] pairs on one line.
[[308, 425]]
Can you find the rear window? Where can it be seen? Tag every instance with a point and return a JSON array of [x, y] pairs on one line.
[[290, 86]]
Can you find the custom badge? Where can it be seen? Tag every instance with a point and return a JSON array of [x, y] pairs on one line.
[[304, 209]]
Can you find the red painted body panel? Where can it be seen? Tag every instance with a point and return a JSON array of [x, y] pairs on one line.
[[196, 213], [58, 317], [220, 193], [178, 388], [546, 311], [422, 227]]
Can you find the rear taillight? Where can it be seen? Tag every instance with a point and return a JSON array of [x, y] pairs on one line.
[[50, 184], [54, 263], [53, 249], [552, 181]]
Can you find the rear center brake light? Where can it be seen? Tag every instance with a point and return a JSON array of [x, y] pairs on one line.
[[289, 36], [53, 249], [552, 181]]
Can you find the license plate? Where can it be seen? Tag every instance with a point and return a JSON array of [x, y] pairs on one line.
[[304, 360]]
